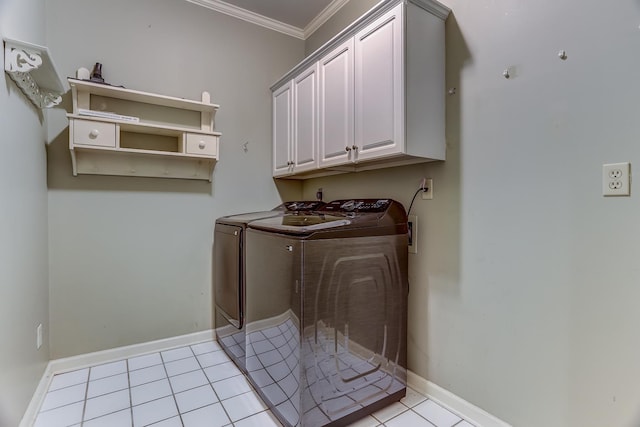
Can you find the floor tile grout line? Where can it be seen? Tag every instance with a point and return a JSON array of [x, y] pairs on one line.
[[107, 376], [382, 422], [105, 394], [213, 388], [420, 415], [65, 387], [103, 415], [145, 367], [404, 412], [86, 395], [249, 416], [175, 401], [440, 406], [61, 406], [126, 361]]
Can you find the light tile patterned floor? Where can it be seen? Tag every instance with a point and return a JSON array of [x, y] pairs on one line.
[[193, 386]]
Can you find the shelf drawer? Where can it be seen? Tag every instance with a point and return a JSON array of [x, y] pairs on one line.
[[86, 132], [207, 145]]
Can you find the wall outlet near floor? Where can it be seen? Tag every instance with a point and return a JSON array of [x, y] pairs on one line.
[[412, 226], [616, 179], [39, 336], [428, 195]]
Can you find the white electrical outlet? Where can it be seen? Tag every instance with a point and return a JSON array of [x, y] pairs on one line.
[[39, 336], [413, 234], [428, 195], [616, 179]]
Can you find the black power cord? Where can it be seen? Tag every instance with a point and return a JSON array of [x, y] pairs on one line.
[[414, 199], [421, 189]]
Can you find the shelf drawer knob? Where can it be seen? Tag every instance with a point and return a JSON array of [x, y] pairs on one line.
[[201, 145], [94, 133]]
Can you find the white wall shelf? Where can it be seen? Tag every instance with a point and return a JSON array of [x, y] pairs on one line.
[[142, 134], [33, 70]]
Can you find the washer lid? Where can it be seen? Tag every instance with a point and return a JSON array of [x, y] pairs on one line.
[[287, 207], [300, 224], [247, 217]]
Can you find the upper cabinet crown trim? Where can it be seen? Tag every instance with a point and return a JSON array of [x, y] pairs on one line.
[[33, 70], [323, 17], [436, 8]]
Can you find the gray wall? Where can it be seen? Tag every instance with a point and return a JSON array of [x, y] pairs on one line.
[[24, 297], [524, 288], [131, 257], [524, 291]]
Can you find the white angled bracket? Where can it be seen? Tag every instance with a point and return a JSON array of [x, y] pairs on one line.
[[31, 67]]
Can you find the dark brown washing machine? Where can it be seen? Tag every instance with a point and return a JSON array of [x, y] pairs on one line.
[[326, 311], [229, 274]]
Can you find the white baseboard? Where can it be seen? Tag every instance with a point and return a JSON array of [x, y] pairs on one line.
[[66, 364], [455, 404], [30, 414]]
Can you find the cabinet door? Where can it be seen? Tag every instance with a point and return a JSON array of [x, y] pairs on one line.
[[305, 120], [282, 129], [379, 83], [336, 105]]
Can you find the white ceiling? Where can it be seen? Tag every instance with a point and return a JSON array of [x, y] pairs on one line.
[[297, 18]]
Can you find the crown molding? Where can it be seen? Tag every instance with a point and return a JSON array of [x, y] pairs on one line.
[[254, 18], [433, 6], [323, 17], [272, 24]]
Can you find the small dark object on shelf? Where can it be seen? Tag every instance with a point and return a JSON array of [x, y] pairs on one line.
[[96, 74]]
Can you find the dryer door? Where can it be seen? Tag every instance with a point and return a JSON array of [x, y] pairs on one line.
[[228, 274]]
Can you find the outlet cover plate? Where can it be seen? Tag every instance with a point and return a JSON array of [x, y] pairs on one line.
[[39, 336], [428, 195], [616, 179]]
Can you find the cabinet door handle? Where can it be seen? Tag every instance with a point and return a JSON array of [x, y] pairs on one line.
[[354, 147], [289, 248], [347, 149], [201, 145], [94, 133]]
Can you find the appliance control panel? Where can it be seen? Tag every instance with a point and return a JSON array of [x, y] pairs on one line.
[[358, 205], [303, 206]]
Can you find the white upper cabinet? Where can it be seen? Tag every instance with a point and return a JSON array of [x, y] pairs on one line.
[[379, 83], [305, 120], [336, 106], [282, 129], [295, 124], [381, 94]]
